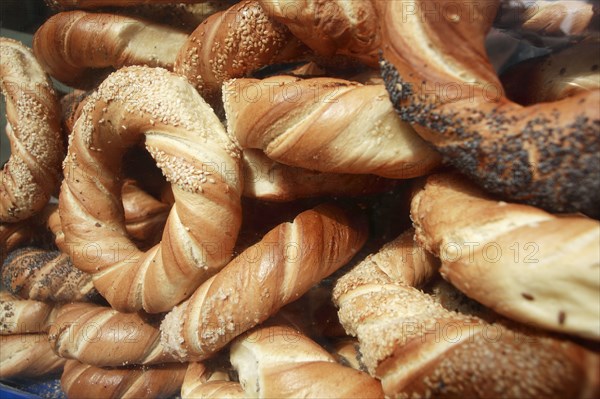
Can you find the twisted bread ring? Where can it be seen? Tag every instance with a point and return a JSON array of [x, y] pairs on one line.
[[325, 124], [22, 316], [32, 172], [28, 355], [80, 48], [520, 261], [439, 78], [233, 43], [84, 381], [195, 154]]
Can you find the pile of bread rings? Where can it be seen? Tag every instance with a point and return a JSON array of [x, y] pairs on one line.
[[302, 198]]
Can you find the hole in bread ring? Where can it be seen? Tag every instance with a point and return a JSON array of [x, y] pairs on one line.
[[32, 172], [197, 157]]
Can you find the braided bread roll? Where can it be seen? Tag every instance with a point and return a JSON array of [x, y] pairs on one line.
[[570, 17], [420, 349], [233, 43], [197, 157], [21, 316], [562, 74], [547, 154], [80, 48], [28, 355], [84, 381], [331, 27], [268, 180], [101, 336], [44, 275], [32, 172], [203, 381], [325, 124], [279, 269], [520, 261], [278, 361]]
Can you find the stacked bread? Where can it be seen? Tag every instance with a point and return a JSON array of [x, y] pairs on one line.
[[235, 180]]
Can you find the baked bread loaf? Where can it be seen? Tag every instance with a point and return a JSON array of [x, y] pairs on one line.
[[196, 156], [208, 381], [83, 381], [28, 356], [562, 74], [417, 348], [520, 261], [268, 180], [325, 124], [547, 154], [562, 17], [32, 173], [101, 336], [22, 316], [80, 48], [234, 43], [331, 27], [279, 269], [277, 361], [13, 235], [45, 275]]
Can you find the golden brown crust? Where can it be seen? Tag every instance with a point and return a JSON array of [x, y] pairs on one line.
[[257, 283], [28, 356], [80, 48], [210, 381], [197, 157], [22, 316], [103, 337], [518, 260], [276, 360], [325, 124], [420, 349], [440, 79], [32, 172], [233, 43], [84, 381], [331, 27], [268, 180]]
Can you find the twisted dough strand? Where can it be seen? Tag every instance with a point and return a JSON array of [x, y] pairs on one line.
[[101, 336], [522, 262], [325, 124], [84, 381], [257, 283], [28, 355], [547, 155], [420, 349], [79, 48], [196, 155], [21, 316], [32, 172]]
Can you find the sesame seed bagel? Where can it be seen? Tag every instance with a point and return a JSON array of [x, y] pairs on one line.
[[440, 79], [197, 157], [233, 43], [80, 48], [32, 172]]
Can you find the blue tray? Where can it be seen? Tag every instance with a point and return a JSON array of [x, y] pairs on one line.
[[28, 389]]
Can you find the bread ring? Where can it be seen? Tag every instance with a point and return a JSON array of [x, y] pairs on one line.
[[22, 316], [325, 124], [32, 172], [195, 154], [233, 43], [28, 355], [80, 48], [85, 381], [439, 78]]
